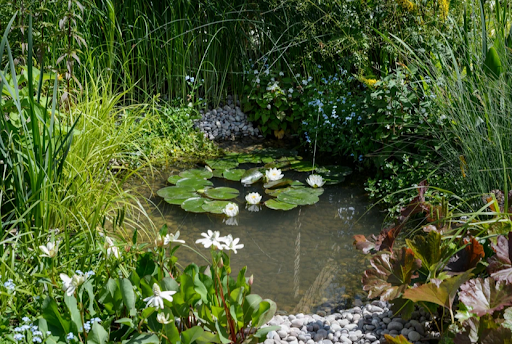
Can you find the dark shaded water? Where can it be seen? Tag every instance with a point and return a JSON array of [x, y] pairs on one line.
[[302, 258]]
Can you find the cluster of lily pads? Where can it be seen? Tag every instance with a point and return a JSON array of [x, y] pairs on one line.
[[194, 191]]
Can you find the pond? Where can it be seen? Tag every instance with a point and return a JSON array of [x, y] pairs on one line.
[[303, 258]]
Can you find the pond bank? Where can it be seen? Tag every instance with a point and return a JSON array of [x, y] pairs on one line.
[[365, 324]]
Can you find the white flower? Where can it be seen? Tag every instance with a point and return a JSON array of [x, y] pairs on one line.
[[50, 250], [157, 300], [290, 90], [281, 74], [111, 249], [269, 106], [315, 181], [210, 239], [70, 284], [173, 238], [162, 318], [253, 198], [232, 244], [273, 174], [231, 210]]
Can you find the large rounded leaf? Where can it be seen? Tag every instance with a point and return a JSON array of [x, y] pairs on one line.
[[248, 159], [194, 205], [215, 207], [195, 183], [278, 205], [333, 174], [302, 166], [234, 175], [197, 173], [298, 197], [218, 173], [222, 164], [221, 193], [173, 179], [176, 201], [251, 176], [174, 192], [278, 183]]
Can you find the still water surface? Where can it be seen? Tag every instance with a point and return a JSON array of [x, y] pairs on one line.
[[303, 258]]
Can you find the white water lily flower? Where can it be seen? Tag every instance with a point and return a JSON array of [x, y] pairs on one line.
[[232, 244], [315, 181], [50, 250], [111, 248], [70, 284], [274, 174], [253, 198], [231, 210], [211, 239], [173, 238], [157, 300], [163, 318]]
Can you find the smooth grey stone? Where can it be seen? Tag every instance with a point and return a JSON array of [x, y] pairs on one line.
[[326, 341], [351, 327], [405, 332], [335, 327], [311, 341], [269, 341], [343, 322], [369, 327], [297, 322], [386, 320], [330, 336], [345, 340], [395, 326], [370, 336], [414, 336], [282, 333]]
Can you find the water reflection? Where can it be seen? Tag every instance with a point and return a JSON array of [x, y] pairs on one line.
[[300, 258]]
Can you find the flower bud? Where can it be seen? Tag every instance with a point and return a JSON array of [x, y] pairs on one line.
[[221, 263], [251, 280], [159, 241]]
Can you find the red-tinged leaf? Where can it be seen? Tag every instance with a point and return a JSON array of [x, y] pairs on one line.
[[428, 249], [396, 340], [390, 275], [384, 241], [485, 296], [500, 265], [362, 244], [417, 205], [466, 258], [483, 331], [442, 293]]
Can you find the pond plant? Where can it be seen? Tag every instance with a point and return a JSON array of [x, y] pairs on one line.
[[194, 191]]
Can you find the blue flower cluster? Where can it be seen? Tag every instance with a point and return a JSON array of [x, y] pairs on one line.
[[88, 324], [28, 329]]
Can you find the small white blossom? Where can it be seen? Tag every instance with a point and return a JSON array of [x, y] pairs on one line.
[[111, 248], [315, 181], [210, 239], [274, 174], [157, 300], [162, 318], [173, 238], [231, 210], [232, 244], [253, 198], [70, 284]]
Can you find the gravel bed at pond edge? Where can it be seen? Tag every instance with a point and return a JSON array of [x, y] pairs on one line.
[[226, 122], [363, 325]]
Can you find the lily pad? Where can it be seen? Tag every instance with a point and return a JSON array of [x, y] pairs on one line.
[[177, 192], [234, 175], [251, 176], [222, 164], [215, 207], [275, 192], [194, 205], [173, 179], [267, 159], [221, 193], [278, 205], [333, 174], [218, 173], [278, 183], [176, 201], [197, 173], [248, 159], [302, 166], [278, 164], [298, 197], [194, 183]]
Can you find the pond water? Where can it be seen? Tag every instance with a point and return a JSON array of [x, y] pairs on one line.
[[303, 258]]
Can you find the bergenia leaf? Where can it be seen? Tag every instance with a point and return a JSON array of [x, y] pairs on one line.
[[500, 265], [384, 241], [418, 204], [466, 258], [475, 330], [391, 274], [508, 318], [441, 294], [428, 249], [486, 296]]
